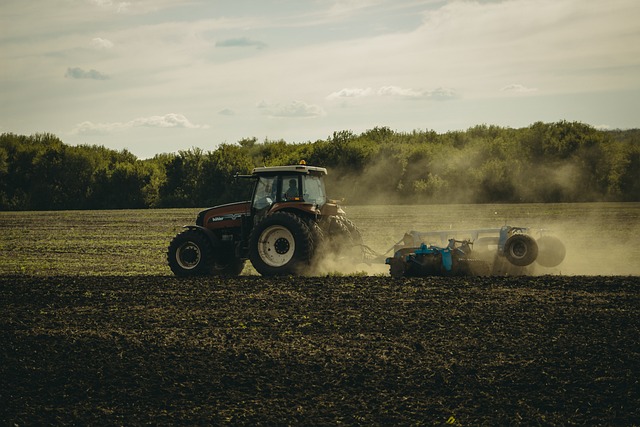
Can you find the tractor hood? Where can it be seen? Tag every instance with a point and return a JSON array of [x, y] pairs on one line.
[[229, 215]]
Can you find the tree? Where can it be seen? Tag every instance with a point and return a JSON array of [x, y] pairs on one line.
[[216, 182], [120, 186], [181, 182]]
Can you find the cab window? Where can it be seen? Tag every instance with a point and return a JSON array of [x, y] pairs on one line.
[[266, 192], [314, 190]]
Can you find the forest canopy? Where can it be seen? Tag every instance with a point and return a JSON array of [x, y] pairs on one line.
[[545, 162]]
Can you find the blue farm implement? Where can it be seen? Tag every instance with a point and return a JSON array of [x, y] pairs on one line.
[[483, 252]]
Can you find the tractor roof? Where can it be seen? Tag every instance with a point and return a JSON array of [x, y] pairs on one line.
[[290, 169]]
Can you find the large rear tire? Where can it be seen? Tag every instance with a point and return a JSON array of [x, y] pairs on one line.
[[280, 245], [521, 250]]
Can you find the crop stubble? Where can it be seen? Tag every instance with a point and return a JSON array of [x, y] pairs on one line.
[[357, 350]]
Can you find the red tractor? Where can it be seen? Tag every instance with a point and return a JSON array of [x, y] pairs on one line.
[[287, 224]]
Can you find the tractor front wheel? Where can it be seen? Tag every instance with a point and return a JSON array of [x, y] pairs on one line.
[[190, 253], [280, 245]]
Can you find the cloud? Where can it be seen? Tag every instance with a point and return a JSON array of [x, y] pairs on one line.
[[440, 93], [350, 93], [400, 92], [100, 43], [171, 120], [118, 6], [79, 73], [517, 88], [241, 42], [295, 109], [227, 112]]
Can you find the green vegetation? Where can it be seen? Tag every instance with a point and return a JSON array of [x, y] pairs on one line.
[[556, 162], [98, 242]]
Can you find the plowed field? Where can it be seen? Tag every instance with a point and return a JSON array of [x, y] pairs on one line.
[[547, 350]]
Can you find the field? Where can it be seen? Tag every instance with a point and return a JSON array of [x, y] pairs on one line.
[[601, 238], [95, 330]]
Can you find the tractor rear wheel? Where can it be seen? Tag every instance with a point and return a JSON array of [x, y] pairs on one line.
[[280, 245], [191, 253], [521, 250]]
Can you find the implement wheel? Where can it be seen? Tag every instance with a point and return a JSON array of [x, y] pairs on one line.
[[552, 251], [521, 250]]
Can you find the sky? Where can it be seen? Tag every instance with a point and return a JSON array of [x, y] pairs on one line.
[[159, 76]]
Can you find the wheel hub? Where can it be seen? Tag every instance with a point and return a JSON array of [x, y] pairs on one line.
[[282, 246], [188, 255], [276, 246], [519, 250]]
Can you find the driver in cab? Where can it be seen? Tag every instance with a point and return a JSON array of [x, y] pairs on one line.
[[292, 191]]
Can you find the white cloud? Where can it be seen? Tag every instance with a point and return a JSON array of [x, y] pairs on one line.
[[171, 120], [401, 92], [440, 93], [295, 109], [100, 43], [354, 92], [517, 88]]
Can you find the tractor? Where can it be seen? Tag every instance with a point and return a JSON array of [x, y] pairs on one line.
[[287, 224]]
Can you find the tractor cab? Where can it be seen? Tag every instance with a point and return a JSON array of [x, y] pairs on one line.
[[298, 187]]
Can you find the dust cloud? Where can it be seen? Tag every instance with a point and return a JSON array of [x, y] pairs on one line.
[[346, 263], [597, 248], [600, 237]]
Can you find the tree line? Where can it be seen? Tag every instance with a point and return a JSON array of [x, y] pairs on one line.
[[545, 162]]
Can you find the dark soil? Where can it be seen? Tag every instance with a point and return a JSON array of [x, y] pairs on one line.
[[549, 350]]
